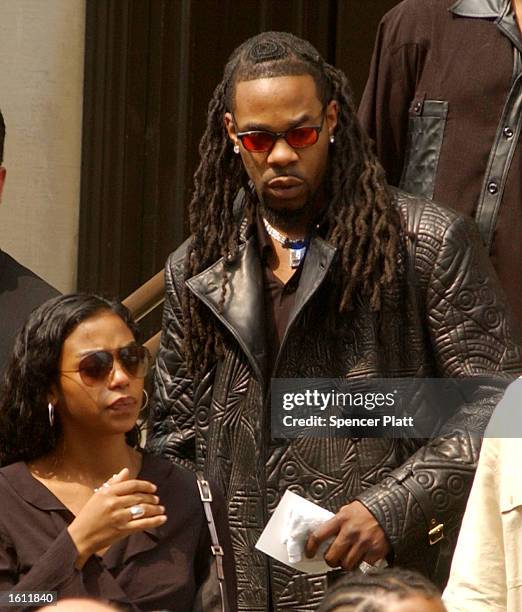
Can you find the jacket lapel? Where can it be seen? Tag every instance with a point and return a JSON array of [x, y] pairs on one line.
[[316, 265], [243, 311], [315, 268]]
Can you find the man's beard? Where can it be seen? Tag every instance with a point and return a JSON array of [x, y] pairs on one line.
[[286, 219]]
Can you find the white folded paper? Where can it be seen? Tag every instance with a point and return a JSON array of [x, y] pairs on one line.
[[288, 529], [285, 535]]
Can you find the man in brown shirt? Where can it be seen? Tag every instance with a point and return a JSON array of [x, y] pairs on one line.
[[443, 103]]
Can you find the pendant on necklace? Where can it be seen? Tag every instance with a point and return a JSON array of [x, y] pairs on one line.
[[296, 248], [296, 254]]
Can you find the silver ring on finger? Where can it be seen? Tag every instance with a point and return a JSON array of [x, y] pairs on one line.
[[137, 511]]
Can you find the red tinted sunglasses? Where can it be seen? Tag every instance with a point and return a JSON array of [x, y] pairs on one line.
[[262, 141], [96, 367]]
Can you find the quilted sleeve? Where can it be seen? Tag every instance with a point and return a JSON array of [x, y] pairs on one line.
[[471, 335], [171, 427]]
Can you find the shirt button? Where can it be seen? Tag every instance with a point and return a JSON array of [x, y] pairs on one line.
[[492, 188], [508, 132], [417, 107]]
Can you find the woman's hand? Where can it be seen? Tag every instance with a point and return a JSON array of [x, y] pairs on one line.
[[107, 516]]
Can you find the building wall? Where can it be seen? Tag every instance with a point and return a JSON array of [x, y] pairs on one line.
[[41, 93]]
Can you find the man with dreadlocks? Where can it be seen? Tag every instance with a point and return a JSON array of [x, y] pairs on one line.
[[303, 263]]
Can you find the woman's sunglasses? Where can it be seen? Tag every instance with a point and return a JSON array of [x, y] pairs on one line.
[[96, 367]]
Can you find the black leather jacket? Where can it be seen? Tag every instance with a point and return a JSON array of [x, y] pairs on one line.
[[453, 324]]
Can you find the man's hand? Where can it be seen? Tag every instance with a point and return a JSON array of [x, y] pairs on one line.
[[358, 537]]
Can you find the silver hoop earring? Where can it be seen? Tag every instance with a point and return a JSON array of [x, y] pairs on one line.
[[146, 400], [236, 149], [50, 409], [332, 138]]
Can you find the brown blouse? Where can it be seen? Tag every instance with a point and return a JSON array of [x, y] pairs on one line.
[[166, 568]]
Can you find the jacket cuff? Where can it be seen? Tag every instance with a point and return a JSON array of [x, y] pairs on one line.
[[400, 516]]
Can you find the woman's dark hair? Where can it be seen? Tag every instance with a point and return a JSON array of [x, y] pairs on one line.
[[25, 431], [358, 592], [363, 224]]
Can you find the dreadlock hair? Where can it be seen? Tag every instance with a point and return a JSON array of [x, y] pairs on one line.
[[362, 222], [358, 592]]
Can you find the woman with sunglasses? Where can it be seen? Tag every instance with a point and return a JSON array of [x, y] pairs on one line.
[[83, 511]]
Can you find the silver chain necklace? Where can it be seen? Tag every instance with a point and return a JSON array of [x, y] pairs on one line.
[[296, 248]]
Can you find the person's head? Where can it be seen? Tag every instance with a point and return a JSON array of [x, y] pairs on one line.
[[389, 590], [2, 140], [80, 354], [287, 173], [277, 82]]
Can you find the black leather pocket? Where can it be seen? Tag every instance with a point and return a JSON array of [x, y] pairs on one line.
[[427, 120]]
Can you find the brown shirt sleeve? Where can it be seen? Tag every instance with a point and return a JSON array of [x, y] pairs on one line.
[[53, 571]]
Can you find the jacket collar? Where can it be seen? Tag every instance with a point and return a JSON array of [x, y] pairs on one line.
[[243, 310], [316, 265], [485, 9], [500, 10]]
